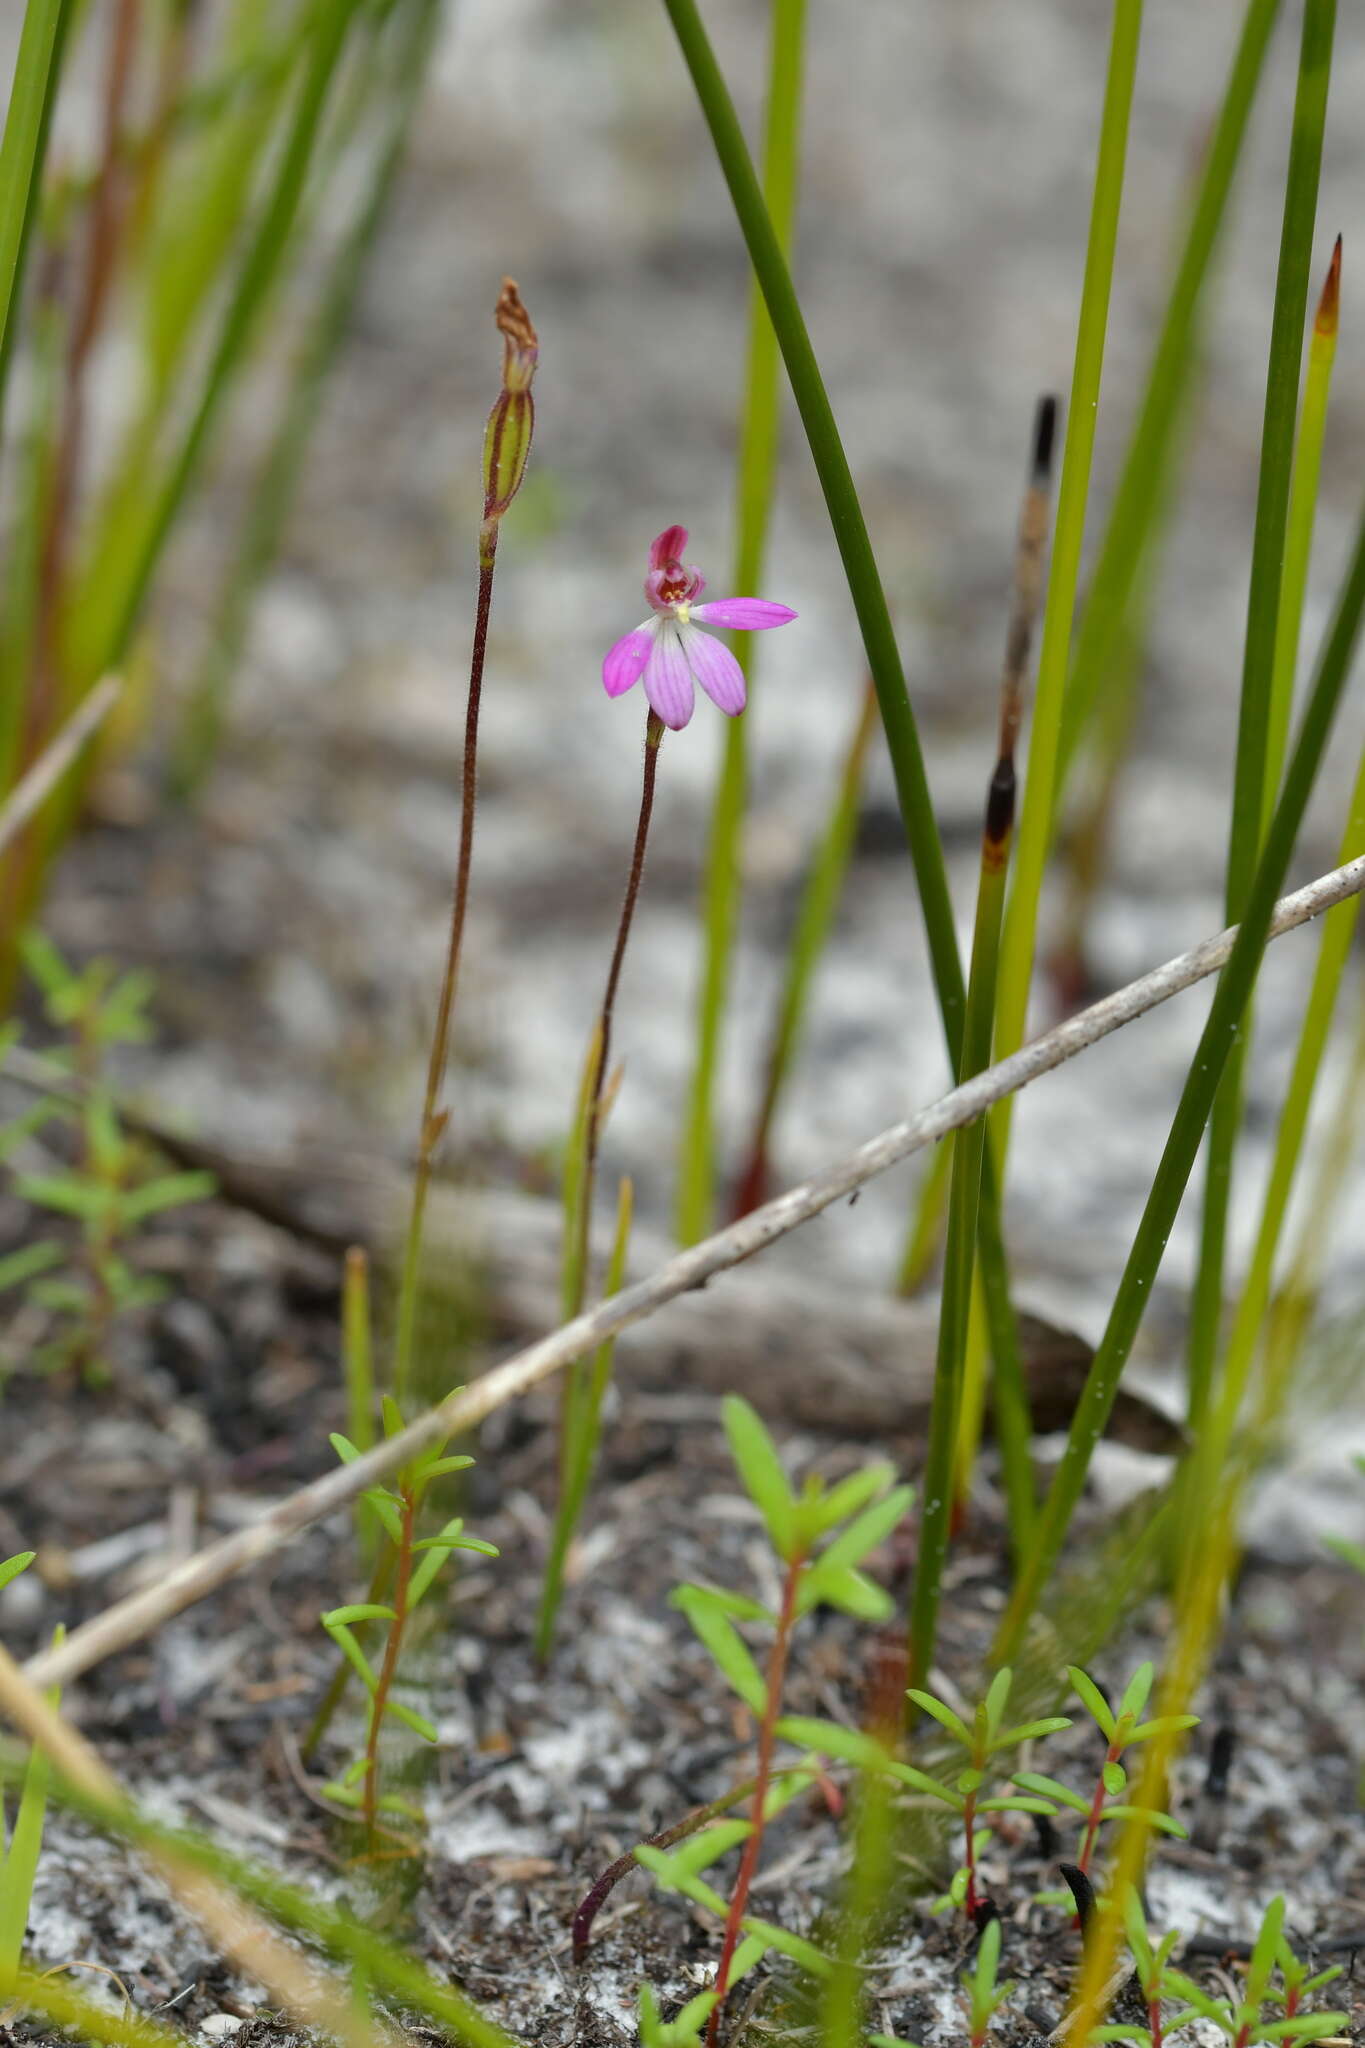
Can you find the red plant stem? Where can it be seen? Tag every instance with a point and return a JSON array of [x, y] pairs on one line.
[[1154, 2021], [433, 1120], [767, 1736], [972, 1900], [654, 732], [1093, 1818], [388, 1668]]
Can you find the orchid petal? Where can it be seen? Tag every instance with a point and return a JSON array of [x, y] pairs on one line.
[[743, 614], [624, 663], [668, 547], [715, 668], [668, 680]]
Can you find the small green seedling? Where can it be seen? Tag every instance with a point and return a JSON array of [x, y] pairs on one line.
[[1246, 2023], [417, 1561], [108, 1190], [985, 1740], [985, 1995], [1121, 1731], [1151, 1967], [821, 1537]]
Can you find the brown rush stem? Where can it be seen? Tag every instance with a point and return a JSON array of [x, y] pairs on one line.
[[507, 443], [388, 1668], [767, 1736]]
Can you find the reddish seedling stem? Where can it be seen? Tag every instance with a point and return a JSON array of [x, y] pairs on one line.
[[767, 1736], [387, 1669], [1096, 1813], [973, 1898]]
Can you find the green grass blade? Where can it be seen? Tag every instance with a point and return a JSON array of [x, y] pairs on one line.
[[722, 888], [273, 497], [28, 118], [1333, 953], [1138, 500], [1215, 1047], [20, 1865], [1035, 823], [112, 611], [1258, 665], [810, 935], [1300, 519]]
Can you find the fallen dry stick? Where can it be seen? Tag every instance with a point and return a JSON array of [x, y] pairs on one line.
[[131, 1619], [237, 1931]]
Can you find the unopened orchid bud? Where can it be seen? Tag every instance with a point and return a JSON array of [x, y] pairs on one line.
[[507, 438]]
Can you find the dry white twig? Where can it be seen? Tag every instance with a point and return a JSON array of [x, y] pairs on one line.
[[130, 1619], [51, 765]]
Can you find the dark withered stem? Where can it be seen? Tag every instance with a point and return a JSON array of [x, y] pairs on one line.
[[1083, 1892], [1028, 587]]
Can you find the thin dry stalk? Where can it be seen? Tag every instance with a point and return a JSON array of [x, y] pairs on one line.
[[137, 1616]]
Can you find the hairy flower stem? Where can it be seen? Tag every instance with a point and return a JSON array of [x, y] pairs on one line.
[[434, 1118], [389, 1667], [580, 1179], [767, 1737]]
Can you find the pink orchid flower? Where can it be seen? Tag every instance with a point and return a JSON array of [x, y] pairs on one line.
[[670, 650]]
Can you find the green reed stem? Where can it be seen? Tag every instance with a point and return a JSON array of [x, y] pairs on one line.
[[23, 149], [860, 570], [1249, 796], [926, 1223], [1338, 928], [810, 934], [970, 1144], [1211, 1057], [1300, 520], [1035, 824], [273, 497], [723, 884], [1138, 500]]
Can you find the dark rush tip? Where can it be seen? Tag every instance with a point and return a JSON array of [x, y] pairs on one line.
[[1044, 434]]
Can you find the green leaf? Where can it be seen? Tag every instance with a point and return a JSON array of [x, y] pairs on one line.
[[1137, 1691], [1009, 1804], [171, 1191], [848, 1495], [354, 1655], [944, 1715], [1034, 1781], [716, 1631], [803, 1952], [1031, 1731], [867, 1531], [440, 1466], [662, 1868], [1167, 1724], [1114, 1777], [1093, 1700], [363, 1610], [708, 1845], [417, 1722], [995, 1701], [847, 1590], [1162, 1822], [831, 1738], [343, 1447], [1351, 1553], [760, 1468], [68, 1194], [1305, 2026], [27, 1263], [386, 1508], [12, 1567]]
